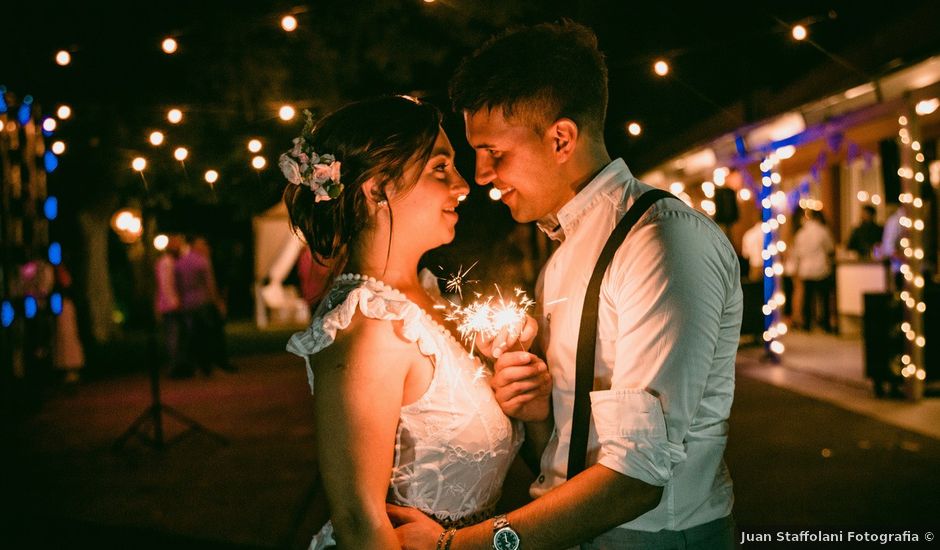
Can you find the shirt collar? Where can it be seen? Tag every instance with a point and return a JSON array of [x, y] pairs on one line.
[[612, 177]]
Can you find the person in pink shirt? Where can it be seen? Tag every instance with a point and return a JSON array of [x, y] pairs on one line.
[[166, 302]]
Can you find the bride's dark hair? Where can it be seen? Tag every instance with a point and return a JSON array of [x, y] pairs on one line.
[[377, 138]]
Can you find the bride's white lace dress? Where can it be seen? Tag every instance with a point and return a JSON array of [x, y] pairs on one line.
[[454, 445]]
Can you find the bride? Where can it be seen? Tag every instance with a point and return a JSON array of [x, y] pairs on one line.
[[403, 413]]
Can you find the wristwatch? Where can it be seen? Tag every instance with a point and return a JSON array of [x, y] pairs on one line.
[[504, 537]]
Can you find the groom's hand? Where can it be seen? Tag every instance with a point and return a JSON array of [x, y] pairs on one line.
[[518, 338], [522, 386], [415, 530]]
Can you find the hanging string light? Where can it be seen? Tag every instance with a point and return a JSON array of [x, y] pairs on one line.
[[773, 204], [911, 293]]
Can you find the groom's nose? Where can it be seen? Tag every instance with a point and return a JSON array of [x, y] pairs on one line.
[[484, 173]]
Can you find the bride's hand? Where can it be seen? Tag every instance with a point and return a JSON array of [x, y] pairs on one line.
[[517, 338]]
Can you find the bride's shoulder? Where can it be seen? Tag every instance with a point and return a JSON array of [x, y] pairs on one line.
[[367, 342]]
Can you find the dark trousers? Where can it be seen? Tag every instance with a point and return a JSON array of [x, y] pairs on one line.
[[203, 339], [816, 291], [170, 325], [714, 535]]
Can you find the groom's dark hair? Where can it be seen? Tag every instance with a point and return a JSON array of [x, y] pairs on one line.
[[537, 75]]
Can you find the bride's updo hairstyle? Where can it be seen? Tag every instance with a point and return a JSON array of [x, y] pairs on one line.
[[377, 138]]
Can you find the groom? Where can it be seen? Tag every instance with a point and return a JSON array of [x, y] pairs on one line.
[[534, 102]]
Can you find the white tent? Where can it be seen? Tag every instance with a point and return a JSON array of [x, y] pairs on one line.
[[276, 251]]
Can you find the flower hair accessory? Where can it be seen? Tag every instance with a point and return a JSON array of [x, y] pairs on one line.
[[304, 166]]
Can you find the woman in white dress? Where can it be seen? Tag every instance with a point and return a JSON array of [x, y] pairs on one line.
[[404, 414]]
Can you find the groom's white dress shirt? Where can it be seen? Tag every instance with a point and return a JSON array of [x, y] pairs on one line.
[[669, 322]]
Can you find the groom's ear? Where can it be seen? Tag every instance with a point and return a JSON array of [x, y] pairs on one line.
[[564, 135]]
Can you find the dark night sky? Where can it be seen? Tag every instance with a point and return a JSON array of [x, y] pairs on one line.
[[719, 55]]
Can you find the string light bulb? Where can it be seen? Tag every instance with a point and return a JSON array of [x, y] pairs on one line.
[[63, 112], [174, 116], [180, 154], [254, 145], [289, 23], [63, 58], [139, 164], [286, 113], [661, 67], [799, 33], [169, 45]]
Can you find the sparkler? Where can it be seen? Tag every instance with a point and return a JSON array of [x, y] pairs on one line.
[[489, 315]]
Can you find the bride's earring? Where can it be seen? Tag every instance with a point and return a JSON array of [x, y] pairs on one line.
[[382, 203]]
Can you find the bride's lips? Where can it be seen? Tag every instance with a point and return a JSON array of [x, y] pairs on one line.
[[451, 211]]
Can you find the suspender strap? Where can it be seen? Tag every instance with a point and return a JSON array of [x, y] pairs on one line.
[[587, 334]]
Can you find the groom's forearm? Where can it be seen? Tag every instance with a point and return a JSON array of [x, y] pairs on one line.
[[593, 502]]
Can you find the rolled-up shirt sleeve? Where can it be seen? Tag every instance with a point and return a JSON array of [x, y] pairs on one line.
[[667, 288], [631, 431]]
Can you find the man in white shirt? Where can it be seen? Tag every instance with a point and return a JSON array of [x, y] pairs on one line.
[[534, 102], [752, 248], [813, 250]]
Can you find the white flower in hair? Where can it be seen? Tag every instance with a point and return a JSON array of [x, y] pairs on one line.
[[304, 166], [290, 169]]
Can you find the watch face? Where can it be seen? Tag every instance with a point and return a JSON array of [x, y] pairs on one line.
[[506, 539]]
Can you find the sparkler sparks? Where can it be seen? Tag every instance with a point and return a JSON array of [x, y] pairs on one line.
[[489, 315], [455, 282]]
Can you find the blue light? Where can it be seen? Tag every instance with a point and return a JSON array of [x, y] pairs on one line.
[[30, 307], [50, 161], [23, 114], [51, 208], [3, 100], [7, 314], [27, 99], [55, 303], [55, 253]]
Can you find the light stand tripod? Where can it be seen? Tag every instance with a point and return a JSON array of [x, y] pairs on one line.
[[153, 415]]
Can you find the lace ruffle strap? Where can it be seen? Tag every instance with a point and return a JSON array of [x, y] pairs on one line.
[[375, 300]]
